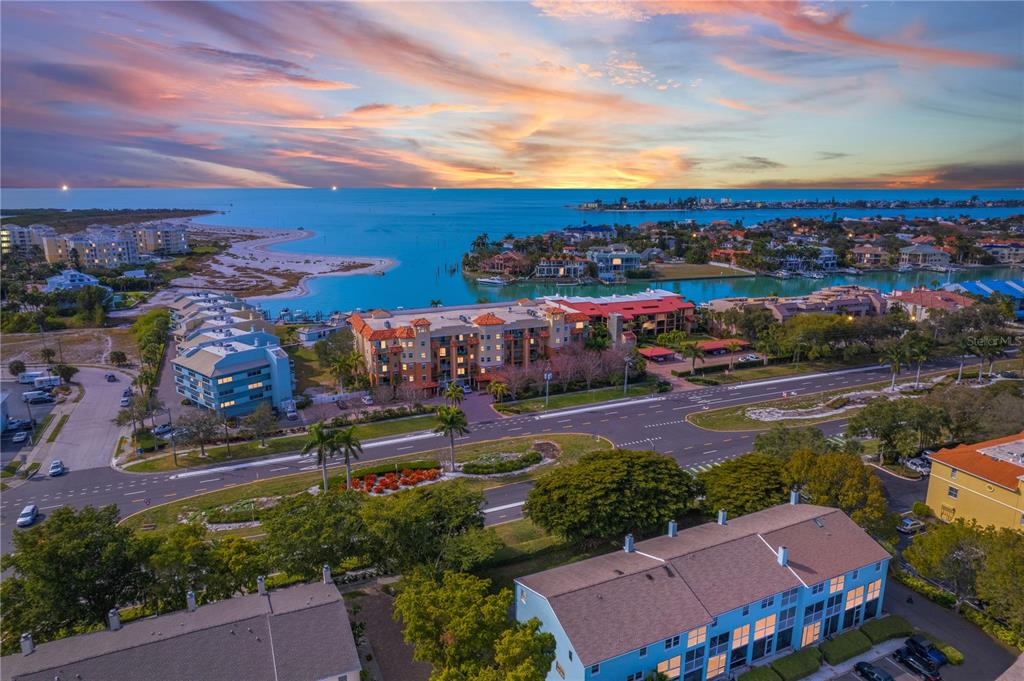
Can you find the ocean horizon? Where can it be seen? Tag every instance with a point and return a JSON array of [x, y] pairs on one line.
[[427, 231]]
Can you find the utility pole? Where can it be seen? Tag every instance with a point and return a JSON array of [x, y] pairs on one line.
[[547, 386], [625, 381]]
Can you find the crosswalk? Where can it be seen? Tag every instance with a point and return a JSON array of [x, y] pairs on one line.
[[837, 441], [706, 466], [645, 441]]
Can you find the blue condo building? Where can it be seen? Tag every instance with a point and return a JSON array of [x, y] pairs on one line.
[[711, 600]]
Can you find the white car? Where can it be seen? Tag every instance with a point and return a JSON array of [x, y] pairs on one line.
[[367, 400], [749, 358], [28, 515], [20, 437], [919, 465]]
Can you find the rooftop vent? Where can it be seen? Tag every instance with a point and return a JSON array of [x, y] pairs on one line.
[[673, 528], [114, 619], [817, 521], [261, 585], [190, 600], [649, 576], [722, 517], [783, 556], [327, 574], [26, 644], [794, 497], [628, 545], [668, 570]]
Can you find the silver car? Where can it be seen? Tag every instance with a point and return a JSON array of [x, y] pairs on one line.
[[28, 515]]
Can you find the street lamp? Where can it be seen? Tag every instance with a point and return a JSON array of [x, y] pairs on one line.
[[547, 386], [625, 381]]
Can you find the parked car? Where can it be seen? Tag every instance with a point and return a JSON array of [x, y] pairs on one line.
[[749, 358], [466, 390], [125, 401], [924, 647], [41, 399], [292, 415], [111, 378], [910, 526], [18, 424], [162, 429], [917, 664], [1009, 374], [57, 468], [919, 465], [367, 400], [28, 515], [127, 392], [870, 672], [20, 437]]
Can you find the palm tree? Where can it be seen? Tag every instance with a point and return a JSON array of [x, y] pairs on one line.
[[339, 368], [919, 350], [498, 390], [350, 447], [693, 352], [768, 344], [323, 440], [894, 355], [964, 346], [733, 347], [451, 422], [453, 394]]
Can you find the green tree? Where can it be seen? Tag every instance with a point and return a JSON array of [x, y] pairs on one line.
[[65, 371], [782, 441], [118, 358], [694, 353], [671, 339], [306, 531], [952, 553], [237, 563], [521, 653], [745, 484], [888, 422], [47, 355], [895, 356], [498, 390], [919, 350], [324, 441], [453, 394], [69, 572], [964, 346], [199, 427], [842, 481], [1000, 578], [608, 494], [439, 527], [16, 367], [732, 347], [350, 447], [182, 562], [598, 337], [260, 422], [451, 421]]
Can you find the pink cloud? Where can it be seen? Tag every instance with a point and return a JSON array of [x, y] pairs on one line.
[[734, 104]]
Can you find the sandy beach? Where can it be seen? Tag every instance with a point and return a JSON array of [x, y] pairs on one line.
[[250, 266]]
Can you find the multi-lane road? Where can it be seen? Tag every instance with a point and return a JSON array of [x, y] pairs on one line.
[[657, 422]]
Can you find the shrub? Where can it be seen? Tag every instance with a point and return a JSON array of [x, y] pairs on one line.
[[698, 380], [664, 386], [760, 674], [798, 665], [303, 402], [480, 467], [837, 402], [993, 628], [922, 510], [952, 654], [186, 402], [887, 628], [933, 593], [845, 646], [385, 468]]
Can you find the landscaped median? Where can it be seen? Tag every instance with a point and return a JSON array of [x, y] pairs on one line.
[[163, 517], [279, 445], [576, 399]]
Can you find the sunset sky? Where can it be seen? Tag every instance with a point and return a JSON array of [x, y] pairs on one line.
[[513, 94]]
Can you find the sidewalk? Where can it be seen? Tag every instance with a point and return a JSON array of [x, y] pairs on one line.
[[827, 671]]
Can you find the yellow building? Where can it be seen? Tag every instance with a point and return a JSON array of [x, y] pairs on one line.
[[982, 482]]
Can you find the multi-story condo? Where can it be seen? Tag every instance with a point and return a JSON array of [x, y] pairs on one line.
[[921, 302], [233, 373], [193, 312], [649, 312], [431, 347], [850, 300], [100, 245], [923, 255], [983, 482], [17, 238], [709, 601], [105, 249], [159, 237], [1005, 251]]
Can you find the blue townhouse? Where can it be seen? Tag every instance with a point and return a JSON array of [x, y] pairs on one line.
[[711, 600]]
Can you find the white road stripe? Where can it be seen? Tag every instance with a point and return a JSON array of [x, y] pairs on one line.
[[504, 508]]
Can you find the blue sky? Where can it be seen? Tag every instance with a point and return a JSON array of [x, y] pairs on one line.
[[513, 94]]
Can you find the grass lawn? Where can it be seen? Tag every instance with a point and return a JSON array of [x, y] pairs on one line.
[[761, 372], [165, 515], [57, 428], [528, 549], [279, 445], [574, 399], [307, 370], [664, 271]]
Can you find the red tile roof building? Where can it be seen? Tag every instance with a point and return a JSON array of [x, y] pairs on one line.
[[650, 312], [509, 262], [919, 303], [983, 482]]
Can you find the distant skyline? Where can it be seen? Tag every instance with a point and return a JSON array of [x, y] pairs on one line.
[[559, 94]]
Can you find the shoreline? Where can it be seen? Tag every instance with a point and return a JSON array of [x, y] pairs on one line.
[[251, 261]]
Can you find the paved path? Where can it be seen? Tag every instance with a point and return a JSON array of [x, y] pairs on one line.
[[645, 423]]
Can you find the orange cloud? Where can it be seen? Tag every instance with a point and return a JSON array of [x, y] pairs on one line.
[[713, 29], [759, 74], [734, 104]]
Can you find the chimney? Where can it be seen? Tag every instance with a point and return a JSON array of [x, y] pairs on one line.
[[26, 644], [327, 574], [190, 600], [783, 556], [673, 528], [721, 517], [261, 585], [114, 619], [628, 546], [794, 497]]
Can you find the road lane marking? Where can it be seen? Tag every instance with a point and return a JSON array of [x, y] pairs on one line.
[[504, 508], [139, 491], [209, 480], [172, 494], [400, 449], [710, 451], [518, 428], [280, 468], [200, 489]]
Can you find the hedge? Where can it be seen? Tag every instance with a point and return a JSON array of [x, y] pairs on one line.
[[887, 628], [503, 466], [993, 628], [952, 654], [798, 665], [381, 469], [922, 510], [845, 646], [934, 593], [760, 674]]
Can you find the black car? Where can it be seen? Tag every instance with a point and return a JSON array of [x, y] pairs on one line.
[[917, 664], [923, 647], [40, 399], [870, 672]]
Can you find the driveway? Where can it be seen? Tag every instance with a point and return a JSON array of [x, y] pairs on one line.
[[17, 409], [887, 664]]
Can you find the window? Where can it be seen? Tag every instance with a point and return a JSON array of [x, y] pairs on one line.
[[714, 622], [786, 618], [522, 595], [258, 384], [836, 584], [558, 668], [764, 627], [789, 597], [671, 642], [952, 472], [716, 666], [696, 637], [570, 652], [635, 676], [595, 669], [746, 610], [854, 575], [694, 664], [878, 566], [719, 644], [854, 597], [811, 633], [226, 379], [874, 589], [953, 492], [670, 667], [818, 588], [740, 636], [225, 405], [767, 602]]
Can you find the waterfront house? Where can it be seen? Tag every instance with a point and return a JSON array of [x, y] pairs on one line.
[[921, 302], [588, 233], [923, 255], [70, 280], [308, 335], [613, 262], [709, 601], [1005, 251], [508, 262], [565, 267], [293, 634], [870, 256], [981, 482], [850, 300]]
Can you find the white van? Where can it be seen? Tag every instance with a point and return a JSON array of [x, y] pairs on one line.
[[47, 382], [30, 376]]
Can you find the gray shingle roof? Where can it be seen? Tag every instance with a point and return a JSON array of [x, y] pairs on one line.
[[294, 634], [618, 602]]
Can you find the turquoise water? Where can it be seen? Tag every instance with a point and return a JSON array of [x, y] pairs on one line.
[[428, 230]]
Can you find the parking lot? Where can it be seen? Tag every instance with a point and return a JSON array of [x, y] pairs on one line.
[[886, 664], [16, 409]]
